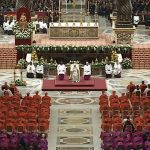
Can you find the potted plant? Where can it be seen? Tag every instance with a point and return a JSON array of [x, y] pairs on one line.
[[126, 63]]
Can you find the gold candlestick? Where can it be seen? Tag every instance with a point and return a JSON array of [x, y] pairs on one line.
[[81, 21], [96, 13], [66, 19], [88, 13], [52, 13], [81, 15], [52, 18], [59, 14], [59, 19], [21, 73], [74, 5], [14, 75]]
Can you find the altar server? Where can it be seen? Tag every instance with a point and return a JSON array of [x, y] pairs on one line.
[[39, 70], [87, 71], [10, 25], [136, 20], [117, 70], [61, 70], [5, 25], [108, 70], [44, 27], [30, 70]]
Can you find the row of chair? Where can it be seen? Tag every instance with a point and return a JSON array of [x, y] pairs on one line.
[[31, 113], [114, 109]]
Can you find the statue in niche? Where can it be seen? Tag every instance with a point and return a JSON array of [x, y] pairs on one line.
[[23, 21], [124, 13]]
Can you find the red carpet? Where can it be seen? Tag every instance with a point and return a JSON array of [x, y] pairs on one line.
[[99, 85], [67, 82]]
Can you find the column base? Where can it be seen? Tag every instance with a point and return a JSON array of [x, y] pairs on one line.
[[124, 35]]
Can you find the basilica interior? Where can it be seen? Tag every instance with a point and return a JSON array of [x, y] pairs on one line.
[[49, 101]]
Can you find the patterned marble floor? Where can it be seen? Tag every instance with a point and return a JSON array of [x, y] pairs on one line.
[[75, 118]]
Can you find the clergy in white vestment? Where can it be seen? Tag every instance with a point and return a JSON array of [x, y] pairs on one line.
[[87, 71], [5, 26], [39, 71], [117, 70], [61, 70], [44, 27], [75, 74], [40, 24], [10, 27], [71, 68], [108, 70], [30, 70], [136, 20]]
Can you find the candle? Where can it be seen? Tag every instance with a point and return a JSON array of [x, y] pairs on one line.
[[66, 6]]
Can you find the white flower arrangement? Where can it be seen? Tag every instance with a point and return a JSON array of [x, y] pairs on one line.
[[23, 34], [126, 63]]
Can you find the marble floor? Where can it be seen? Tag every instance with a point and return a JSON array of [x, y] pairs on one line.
[[75, 118]]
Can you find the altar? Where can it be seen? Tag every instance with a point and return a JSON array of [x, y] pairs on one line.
[[73, 30]]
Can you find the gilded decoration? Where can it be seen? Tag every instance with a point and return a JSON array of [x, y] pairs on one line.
[[75, 32]]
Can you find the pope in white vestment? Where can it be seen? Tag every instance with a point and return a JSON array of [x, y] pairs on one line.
[[117, 70], [87, 71], [30, 70], [71, 69], [108, 70], [61, 70], [75, 74], [39, 71]]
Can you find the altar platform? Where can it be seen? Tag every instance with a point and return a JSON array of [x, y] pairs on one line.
[[94, 84], [73, 30]]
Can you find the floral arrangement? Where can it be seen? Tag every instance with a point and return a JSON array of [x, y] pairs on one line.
[[76, 49], [126, 63], [18, 82], [23, 34]]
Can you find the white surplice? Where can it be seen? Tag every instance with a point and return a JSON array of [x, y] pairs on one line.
[[108, 69], [87, 70], [30, 68], [61, 69]]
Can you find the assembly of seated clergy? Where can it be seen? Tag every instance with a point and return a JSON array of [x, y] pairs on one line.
[[74, 74]]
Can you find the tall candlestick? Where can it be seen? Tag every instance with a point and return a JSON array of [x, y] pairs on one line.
[[52, 7], [14, 74], [59, 5], [81, 5], [88, 6], [66, 6]]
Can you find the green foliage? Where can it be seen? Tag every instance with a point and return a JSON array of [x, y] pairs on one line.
[[76, 49], [18, 82]]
